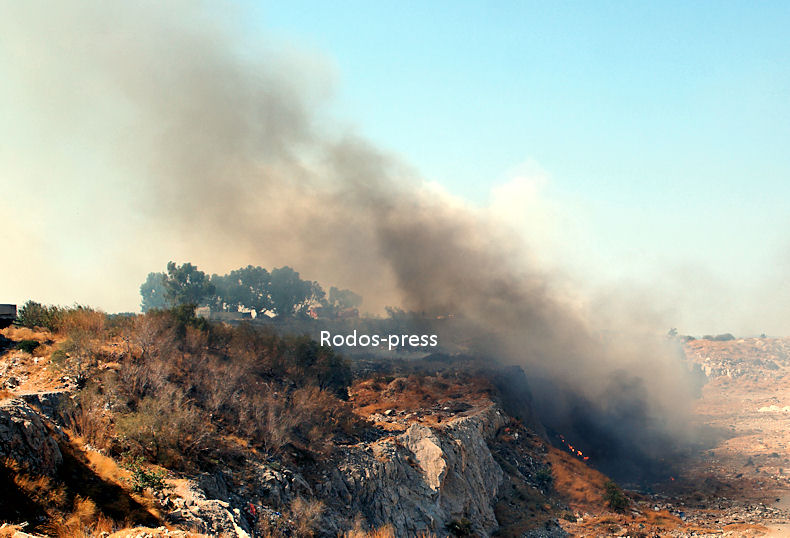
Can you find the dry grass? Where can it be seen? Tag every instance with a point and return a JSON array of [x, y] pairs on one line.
[[83, 320], [39, 488], [415, 392], [106, 468], [307, 514], [582, 486], [24, 333], [358, 532]]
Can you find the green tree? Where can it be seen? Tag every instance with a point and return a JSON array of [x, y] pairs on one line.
[[185, 284], [225, 294], [153, 292], [290, 295], [342, 299], [247, 287]]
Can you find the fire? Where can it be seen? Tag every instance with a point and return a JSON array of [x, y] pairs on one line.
[[572, 449]]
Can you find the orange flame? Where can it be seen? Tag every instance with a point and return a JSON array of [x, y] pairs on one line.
[[572, 449]]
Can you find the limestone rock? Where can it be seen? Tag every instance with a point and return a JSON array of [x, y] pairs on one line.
[[26, 439], [423, 479], [207, 516]]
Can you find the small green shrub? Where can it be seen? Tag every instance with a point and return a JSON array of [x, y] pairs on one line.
[[615, 498], [33, 314], [544, 478], [28, 346], [58, 359], [143, 478]]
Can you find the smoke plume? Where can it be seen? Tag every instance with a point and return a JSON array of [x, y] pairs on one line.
[[162, 130]]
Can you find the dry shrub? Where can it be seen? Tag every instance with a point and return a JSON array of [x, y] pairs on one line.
[[79, 523], [323, 416], [167, 428], [308, 417], [307, 514], [266, 528], [91, 420], [83, 319], [268, 419], [24, 333], [39, 488], [137, 379], [359, 531], [83, 328]]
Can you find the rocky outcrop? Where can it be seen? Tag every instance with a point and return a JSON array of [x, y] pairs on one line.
[[423, 479], [25, 438], [192, 510], [56, 405], [279, 486]]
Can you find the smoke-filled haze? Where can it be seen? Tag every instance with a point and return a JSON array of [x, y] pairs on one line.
[[136, 133]]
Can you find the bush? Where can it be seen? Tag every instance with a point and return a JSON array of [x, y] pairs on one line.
[[91, 417], [544, 478], [143, 478], [28, 346], [82, 320], [58, 359], [167, 428], [615, 498], [33, 314], [321, 366], [307, 514], [78, 318], [75, 356]]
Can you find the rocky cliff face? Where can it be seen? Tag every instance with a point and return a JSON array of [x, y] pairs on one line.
[[423, 479], [26, 439], [434, 477]]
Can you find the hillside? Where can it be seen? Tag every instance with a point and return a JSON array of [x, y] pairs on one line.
[[166, 425]]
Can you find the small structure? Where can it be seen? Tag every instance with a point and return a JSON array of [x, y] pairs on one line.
[[7, 315], [207, 313]]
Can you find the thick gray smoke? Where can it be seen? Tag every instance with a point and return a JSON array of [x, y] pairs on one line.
[[198, 135]]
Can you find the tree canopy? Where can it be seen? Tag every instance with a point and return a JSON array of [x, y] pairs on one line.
[[185, 284], [281, 292], [247, 287], [153, 292], [290, 295]]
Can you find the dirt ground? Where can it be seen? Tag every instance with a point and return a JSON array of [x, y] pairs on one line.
[[746, 403]]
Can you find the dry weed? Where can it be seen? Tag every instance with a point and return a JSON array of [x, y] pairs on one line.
[[307, 514]]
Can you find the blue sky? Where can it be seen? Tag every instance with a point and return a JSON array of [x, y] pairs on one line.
[[617, 101], [663, 127]]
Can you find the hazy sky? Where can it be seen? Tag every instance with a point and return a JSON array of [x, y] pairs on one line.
[[639, 146], [658, 133]]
